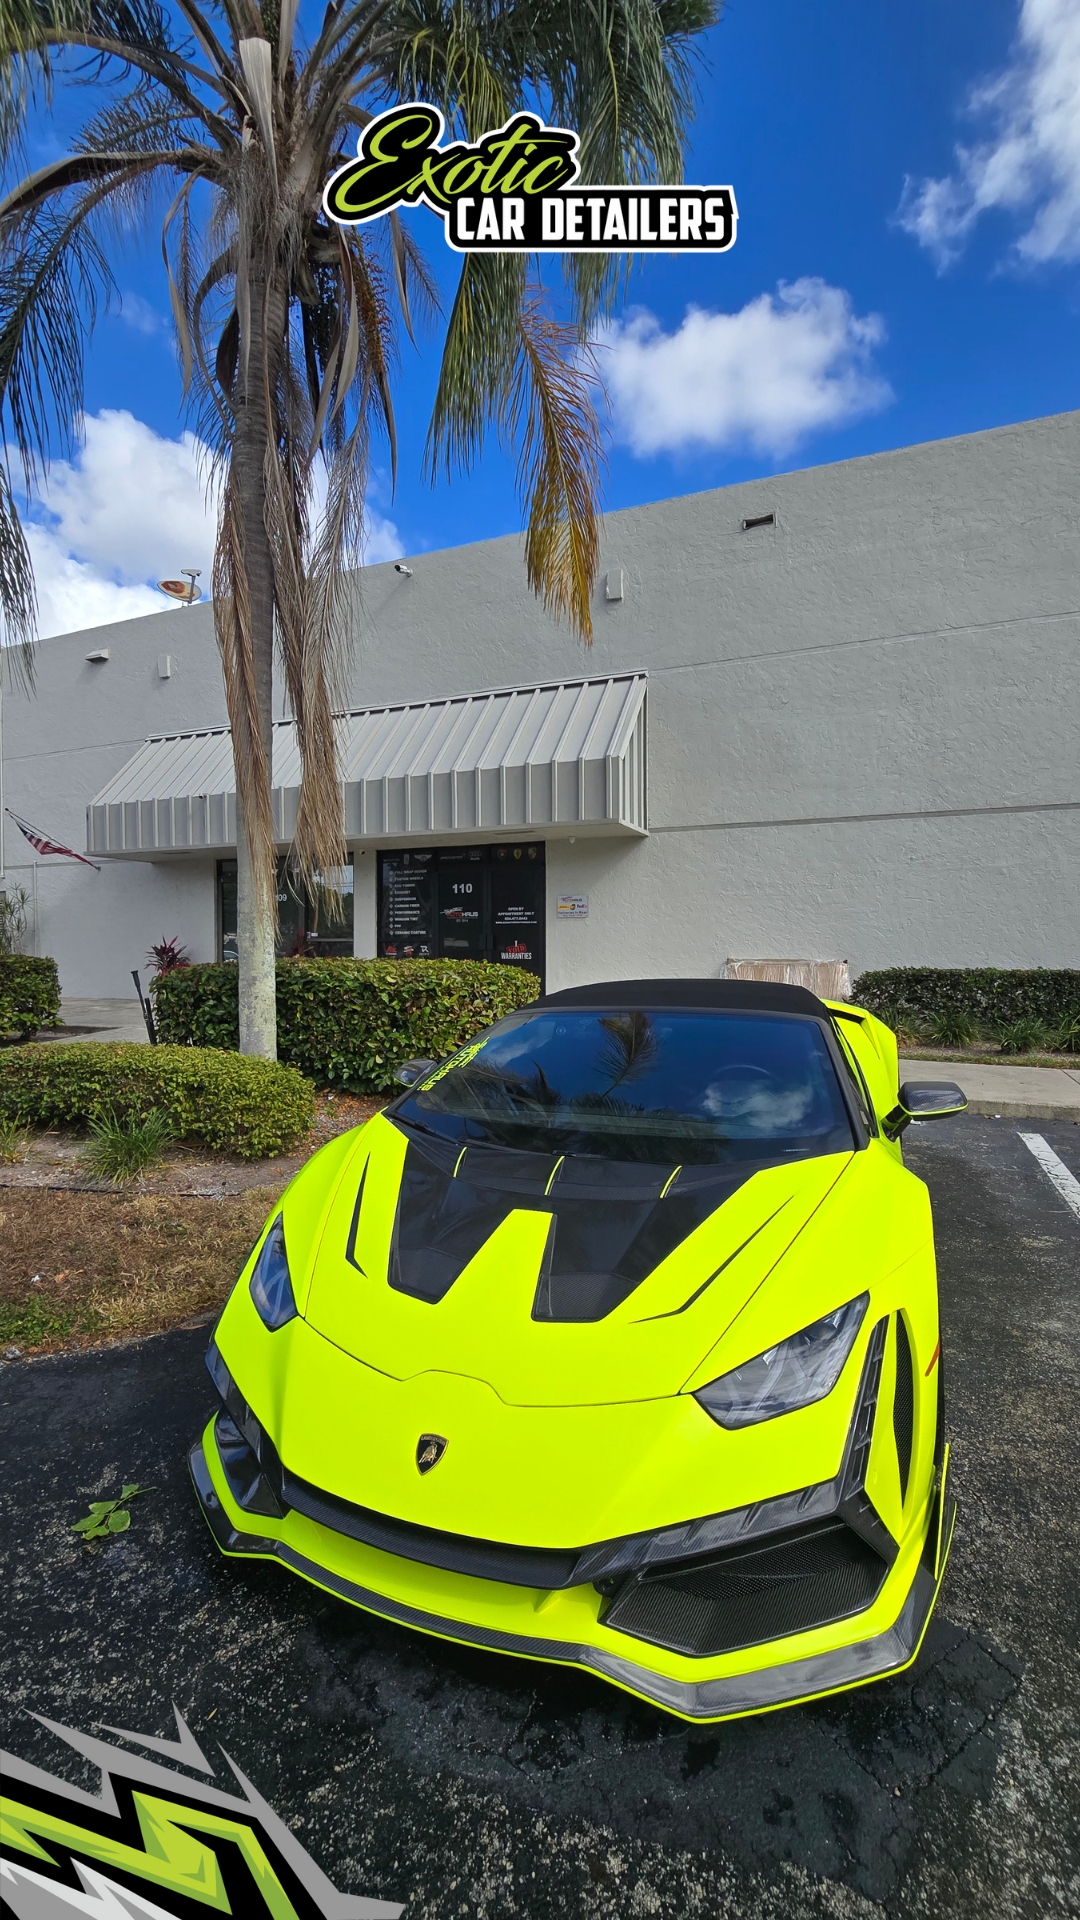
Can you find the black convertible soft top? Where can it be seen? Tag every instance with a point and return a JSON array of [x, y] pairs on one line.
[[758, 996]]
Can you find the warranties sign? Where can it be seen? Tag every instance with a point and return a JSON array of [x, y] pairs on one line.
[[514, 192]]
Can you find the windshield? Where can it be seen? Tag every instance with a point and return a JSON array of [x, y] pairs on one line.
[[677, 1087]]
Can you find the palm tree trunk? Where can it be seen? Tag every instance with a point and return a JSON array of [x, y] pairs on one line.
[[255, 929], [256, 956]]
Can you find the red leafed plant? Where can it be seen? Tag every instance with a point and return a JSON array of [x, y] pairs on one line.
[[168, 955]]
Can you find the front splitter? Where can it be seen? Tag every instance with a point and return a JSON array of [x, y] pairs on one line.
[[785, 1684]]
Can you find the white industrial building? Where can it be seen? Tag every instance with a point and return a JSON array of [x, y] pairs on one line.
[[829, 715]]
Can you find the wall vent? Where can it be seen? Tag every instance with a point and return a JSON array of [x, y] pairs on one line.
[[759, 520]]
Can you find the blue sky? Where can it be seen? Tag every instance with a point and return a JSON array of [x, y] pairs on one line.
[[907, 268]]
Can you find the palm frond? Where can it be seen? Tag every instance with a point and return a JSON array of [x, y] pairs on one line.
[[53, 277], [630, 1047], [375, 340], [18, 597], [480, 355], [256, 61], [143, 118], [413, 279], [554, 422], [623, 77]]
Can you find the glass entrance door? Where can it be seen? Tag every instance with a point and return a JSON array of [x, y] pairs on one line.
[[517, 906], [464, 929], [464, 903], [318, 922]]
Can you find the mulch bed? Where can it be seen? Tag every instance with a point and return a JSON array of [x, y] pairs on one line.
[[83, 1268], [92, 1263], [54, 1159]]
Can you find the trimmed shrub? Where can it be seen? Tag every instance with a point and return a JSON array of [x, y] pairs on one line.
[[349, 1023], [230, 1102], [991, 997], [29, 994]]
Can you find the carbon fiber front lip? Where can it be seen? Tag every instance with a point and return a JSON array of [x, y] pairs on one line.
[[226, 1535], [863, 1660]]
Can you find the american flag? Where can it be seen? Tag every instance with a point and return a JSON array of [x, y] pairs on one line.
[[42, 844]]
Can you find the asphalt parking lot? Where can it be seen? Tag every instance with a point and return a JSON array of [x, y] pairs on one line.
[[462, 1783]]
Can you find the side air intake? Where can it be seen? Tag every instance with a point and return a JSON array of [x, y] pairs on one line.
[[903, 1412]]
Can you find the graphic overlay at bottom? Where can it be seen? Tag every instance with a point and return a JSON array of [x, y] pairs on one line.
[[155, 1844]]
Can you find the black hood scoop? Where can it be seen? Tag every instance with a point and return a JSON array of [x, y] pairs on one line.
[[612, 1221]]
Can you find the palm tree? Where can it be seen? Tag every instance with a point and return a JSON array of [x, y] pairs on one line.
[[223, 121]]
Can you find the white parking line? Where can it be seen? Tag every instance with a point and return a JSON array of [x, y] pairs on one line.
[[1055, 1170]]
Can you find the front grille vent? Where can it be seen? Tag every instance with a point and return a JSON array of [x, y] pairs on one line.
[[753, 1595], [903, 1412]]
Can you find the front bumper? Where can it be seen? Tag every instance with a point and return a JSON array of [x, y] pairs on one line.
[[567, 1625]]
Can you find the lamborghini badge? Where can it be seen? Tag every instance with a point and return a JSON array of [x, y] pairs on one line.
[[429, 1451]]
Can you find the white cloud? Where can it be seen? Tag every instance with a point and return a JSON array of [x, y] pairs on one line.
[[783, 367], [72, 594], [382, 540], [1030, 164], [748, 1108], [130, 509], [138, 314]]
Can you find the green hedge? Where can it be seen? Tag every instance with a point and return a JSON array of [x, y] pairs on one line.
[[992, 997], [29, 994], [232, 1103], [349, 1023]]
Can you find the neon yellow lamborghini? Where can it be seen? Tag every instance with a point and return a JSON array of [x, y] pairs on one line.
[[612, 1341]]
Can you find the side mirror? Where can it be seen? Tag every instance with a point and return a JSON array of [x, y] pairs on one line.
[[923, 1100], [413, 1070]]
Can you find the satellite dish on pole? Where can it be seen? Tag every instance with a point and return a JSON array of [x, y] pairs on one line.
[[183, 590]]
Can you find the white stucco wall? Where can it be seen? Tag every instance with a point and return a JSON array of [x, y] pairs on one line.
[[61, 744], [863, 721]]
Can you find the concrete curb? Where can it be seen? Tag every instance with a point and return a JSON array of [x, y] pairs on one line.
[[1004, 1092], [1024, 1110]]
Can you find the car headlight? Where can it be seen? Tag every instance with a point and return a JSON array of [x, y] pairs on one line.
[[794, 1374], [270, 1284]]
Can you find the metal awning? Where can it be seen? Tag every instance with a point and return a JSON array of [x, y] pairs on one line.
[[565, 757]]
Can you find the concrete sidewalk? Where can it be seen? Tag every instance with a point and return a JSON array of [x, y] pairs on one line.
[[1011, 1093], [108, 1019]]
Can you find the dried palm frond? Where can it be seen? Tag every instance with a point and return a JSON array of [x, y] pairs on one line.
[[554, 422]]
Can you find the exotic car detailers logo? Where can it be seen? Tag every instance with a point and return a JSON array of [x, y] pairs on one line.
[[155, 1844], [511, 192]]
